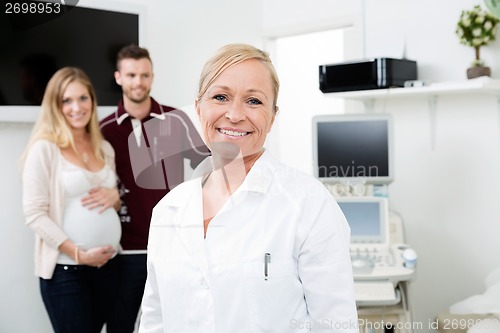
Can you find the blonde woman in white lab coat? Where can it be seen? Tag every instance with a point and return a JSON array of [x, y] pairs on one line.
[[252, 245]]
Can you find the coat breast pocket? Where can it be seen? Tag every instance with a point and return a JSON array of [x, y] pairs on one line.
[[275, 301]]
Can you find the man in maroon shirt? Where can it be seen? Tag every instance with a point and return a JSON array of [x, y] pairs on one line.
[[151, 142]]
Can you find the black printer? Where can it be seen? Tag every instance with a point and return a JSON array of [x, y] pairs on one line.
[[376, 73]]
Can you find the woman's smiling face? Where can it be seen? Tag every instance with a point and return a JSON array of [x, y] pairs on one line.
[[77, 105], [238, 107]]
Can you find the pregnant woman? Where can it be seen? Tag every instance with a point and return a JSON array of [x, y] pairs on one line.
[[70, 200]]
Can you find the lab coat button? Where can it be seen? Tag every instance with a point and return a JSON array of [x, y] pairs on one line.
[[204, 284]]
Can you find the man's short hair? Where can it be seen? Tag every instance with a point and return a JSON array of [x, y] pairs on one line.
[[132, 51]]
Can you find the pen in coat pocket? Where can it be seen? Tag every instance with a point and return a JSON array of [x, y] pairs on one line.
[[267, 260]]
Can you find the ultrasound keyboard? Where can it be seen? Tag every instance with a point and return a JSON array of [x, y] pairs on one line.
[[376, 292], [372, 263]]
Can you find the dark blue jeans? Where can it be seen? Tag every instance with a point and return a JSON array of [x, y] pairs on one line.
[[132, 278], [78, 298]]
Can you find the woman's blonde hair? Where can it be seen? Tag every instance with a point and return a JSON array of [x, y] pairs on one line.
[[231, 55], [51, 124]]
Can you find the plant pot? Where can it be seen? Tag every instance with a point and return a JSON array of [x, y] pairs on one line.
[[478, 71]]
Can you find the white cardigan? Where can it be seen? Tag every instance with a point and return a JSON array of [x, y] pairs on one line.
[[43, 201]]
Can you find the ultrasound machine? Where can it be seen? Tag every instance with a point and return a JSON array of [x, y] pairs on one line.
[[353, 156]]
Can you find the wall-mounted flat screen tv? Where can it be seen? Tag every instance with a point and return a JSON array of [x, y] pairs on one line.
[[33, 46]]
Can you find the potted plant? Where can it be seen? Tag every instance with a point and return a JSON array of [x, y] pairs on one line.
[[476, 28]]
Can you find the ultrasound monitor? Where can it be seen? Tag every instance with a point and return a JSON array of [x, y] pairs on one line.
[[353, 148], [368, 219]]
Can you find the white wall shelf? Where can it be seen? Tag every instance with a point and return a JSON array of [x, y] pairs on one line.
[[478, 86]]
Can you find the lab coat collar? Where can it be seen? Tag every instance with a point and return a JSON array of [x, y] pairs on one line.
[[257, 180], [260, 176]]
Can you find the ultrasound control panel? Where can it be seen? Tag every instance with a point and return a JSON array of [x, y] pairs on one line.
[[372, 263]]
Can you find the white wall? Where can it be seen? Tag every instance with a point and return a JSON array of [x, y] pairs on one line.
[[297, 59], [22, 309], [183, 34], [428, 29], [447, 196], [297, 67]]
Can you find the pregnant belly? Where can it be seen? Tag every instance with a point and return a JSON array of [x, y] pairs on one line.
[[88, 228]]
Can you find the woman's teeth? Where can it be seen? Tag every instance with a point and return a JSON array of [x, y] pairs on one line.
[[232, 133]]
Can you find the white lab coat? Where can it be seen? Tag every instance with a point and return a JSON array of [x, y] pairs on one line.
[[217, 284]]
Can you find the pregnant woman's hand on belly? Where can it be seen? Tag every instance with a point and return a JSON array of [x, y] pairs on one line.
[[97, 256], [103, 198]]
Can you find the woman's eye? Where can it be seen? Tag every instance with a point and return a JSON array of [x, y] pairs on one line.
[[220, 98], [66, 101], [84, 98], [254, 101]]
